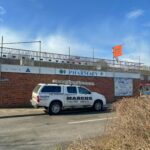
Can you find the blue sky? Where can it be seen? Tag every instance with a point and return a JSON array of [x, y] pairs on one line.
[[81, 25]]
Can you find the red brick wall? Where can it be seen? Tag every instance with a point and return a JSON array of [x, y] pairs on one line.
[[16, 92]]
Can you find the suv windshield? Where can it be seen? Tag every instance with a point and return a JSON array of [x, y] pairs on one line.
[[83, 91], [36, 89]]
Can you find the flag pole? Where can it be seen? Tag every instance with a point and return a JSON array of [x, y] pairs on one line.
[[117, 51], [69, 65], [113, 73], [93, 56]]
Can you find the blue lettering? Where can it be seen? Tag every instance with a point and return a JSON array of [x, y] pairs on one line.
[[28, 70]]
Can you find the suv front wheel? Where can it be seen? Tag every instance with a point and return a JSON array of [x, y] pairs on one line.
[[54, 108]]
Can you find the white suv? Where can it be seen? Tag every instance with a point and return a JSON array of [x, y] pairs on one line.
[[55, 97]]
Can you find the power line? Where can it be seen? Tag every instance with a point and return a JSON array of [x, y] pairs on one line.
[[22, 42]]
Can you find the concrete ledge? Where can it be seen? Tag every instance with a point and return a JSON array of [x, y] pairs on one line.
[[20, 112]]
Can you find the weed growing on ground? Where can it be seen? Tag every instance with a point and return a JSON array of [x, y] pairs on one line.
[[130, 131]]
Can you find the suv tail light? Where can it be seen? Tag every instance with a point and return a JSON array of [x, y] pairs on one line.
[[38, 99]]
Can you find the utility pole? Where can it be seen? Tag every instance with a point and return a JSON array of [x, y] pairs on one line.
[[139, 63], [40, 58], [1, 61], [140, 66], [93, 56], [69, 64], [28, 42]]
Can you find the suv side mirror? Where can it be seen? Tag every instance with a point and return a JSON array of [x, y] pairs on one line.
[[89, 92]]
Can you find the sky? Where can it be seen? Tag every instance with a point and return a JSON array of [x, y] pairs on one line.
[[83, 25]]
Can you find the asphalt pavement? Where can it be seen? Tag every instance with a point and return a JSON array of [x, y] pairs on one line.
[[33, 129]]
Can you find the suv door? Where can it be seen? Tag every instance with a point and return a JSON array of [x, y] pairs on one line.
[[71, 97], [85, 96]]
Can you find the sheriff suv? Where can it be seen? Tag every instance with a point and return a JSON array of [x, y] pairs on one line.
[[55, 97]]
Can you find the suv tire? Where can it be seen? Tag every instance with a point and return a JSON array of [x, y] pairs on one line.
[[98, 106], [54, 108]]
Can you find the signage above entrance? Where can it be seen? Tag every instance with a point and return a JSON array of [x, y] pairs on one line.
[[69, 72]]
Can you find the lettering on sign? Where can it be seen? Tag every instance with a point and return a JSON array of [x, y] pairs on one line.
[[73, 82], [28, 70], [62, 71], [79, 98], [83, 73], [71, 72]]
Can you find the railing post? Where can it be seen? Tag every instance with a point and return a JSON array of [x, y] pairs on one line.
[[40, 57]]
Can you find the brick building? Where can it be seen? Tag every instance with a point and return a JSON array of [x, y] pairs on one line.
[[21, 73]]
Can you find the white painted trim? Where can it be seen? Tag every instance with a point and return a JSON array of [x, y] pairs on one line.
[[62, 71]]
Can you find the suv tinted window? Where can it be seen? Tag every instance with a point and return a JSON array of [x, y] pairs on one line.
[[36, 88], [53, 89], [71, 89], [83, 91]]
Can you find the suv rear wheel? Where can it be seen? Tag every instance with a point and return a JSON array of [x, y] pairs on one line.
[[55, 108], [98, 105]]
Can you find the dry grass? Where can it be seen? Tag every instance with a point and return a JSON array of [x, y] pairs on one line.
[[130, 131]]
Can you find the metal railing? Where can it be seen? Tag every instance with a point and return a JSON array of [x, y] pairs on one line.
[[96, 63]]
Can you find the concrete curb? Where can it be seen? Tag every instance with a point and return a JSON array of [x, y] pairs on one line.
[[19, 112]]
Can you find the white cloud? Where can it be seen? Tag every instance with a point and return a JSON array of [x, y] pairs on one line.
[[137, 49], [134, 46], [59, 43], [2, 10], [10, 35], [135, 14], [52, 43]]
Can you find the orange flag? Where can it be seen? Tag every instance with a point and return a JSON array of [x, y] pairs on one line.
[[117, 50]]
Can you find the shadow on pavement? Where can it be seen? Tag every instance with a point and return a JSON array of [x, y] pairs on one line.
[[85, 111], [82, 111]]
